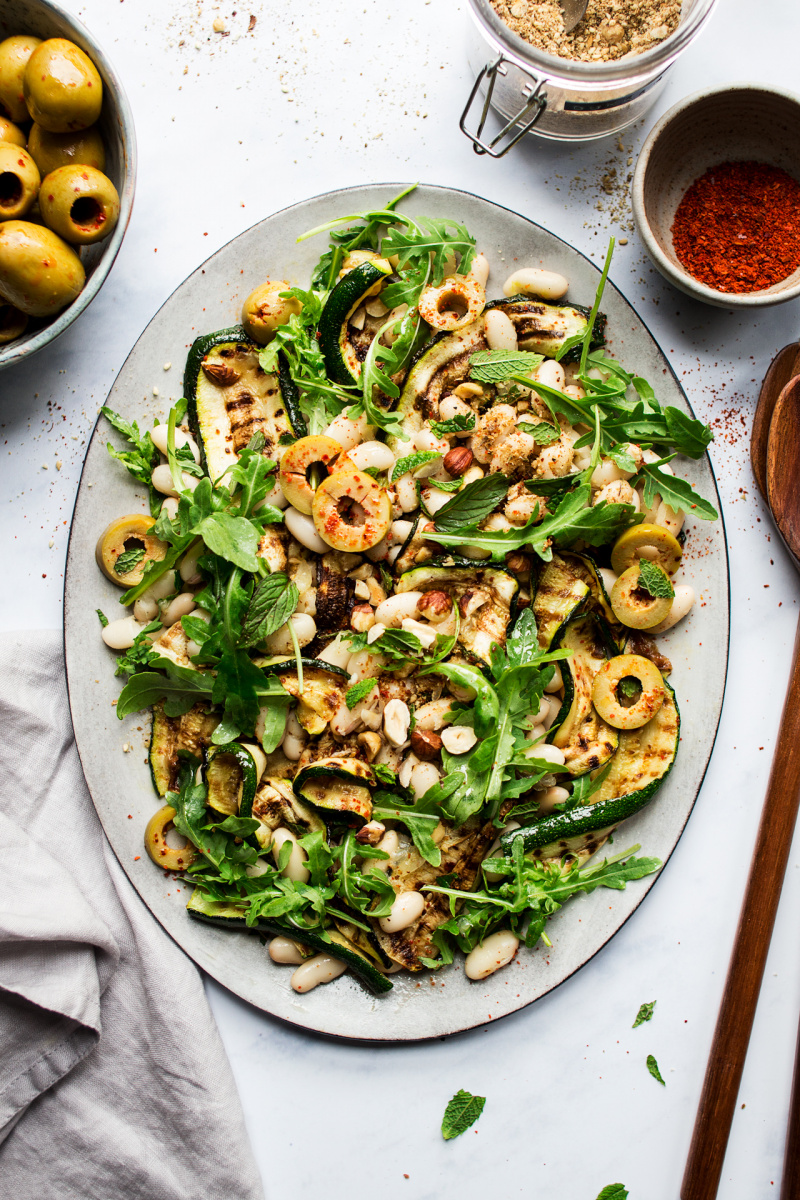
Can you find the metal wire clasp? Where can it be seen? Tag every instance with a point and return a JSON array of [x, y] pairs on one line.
[[535, 103]]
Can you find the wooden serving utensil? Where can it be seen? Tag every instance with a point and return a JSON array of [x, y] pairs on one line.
[[779, 466], [784, 366]]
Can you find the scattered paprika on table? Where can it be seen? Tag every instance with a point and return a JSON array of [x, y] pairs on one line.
[[737, 228]]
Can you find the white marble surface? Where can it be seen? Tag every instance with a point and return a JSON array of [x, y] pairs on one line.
[[229, 130]]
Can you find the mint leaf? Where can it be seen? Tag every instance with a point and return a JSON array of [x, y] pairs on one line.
[[272, 603], [472, 503], [358, 691], [128, 560], [645, 1013], [460, 423], [543, 433], [384, 774], [654, 579], [412, 462], [495, 366], [614, 1191], [102, 617], [629, 687], [652, 1067], [462, 1112]]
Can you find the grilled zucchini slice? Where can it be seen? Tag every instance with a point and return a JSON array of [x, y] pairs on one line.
[[344, 347], [543, 328], [560, 594], [169, 735], [587, 741], [339, 787]]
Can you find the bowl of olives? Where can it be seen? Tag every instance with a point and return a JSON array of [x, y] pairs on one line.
[[67, 173]]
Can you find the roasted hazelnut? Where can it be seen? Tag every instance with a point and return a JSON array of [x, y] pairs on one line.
[[371, 833], [435, 606], [518, 564], [370, 742], [362, 618], [426, 744], [457, 461]]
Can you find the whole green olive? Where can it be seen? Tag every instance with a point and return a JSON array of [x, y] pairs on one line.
[[53, 150], [80, 203], [63, 90], [14, 55], [9, 132], [39, 274], [265, 309], [13, 323], [19, 181]]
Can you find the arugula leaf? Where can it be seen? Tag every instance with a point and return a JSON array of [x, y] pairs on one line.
[[461, 1113], [275, 714], [272, 603], [584, 787], [652, 1067], [147, 688], [587, 337], [420, 820], [645, 1013], [412, 462], [677, 493], [460, 423], [101, 616], [614, 1191], [621, 455], [141, 460], [472, 503], [496, 366], [358, 691], [688, 435], [654, 580], [128, 560]]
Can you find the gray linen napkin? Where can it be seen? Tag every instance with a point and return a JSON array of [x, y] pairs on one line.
[[113, 1078]]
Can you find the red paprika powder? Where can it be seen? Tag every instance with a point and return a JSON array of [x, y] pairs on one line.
[[737, 228]]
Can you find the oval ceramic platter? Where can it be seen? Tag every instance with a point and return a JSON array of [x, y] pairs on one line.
[[119, 779]]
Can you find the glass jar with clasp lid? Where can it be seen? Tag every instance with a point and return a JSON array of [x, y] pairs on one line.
[[558, 98]]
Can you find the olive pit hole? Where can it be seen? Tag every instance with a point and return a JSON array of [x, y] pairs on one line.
[[351, 512], [10, 189], [175, 840], [452, 302], [132, 543], [86, 212], [628, 691]]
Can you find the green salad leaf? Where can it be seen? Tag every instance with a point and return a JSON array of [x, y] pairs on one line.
[[461, 1113], [652, 1067], [645, 1013]]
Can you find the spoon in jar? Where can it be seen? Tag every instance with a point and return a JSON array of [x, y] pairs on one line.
[[776, 461], [574, 11]]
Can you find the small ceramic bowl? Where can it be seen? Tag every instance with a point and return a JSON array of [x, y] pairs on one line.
[[44, 19], [738, 122]]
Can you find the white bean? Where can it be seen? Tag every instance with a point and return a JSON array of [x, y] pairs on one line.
[[161, 479], [426, 439], [348, 433], [533, 281], [400, 531], [170, 507], [426, 635], [304, 531], [145, 609], [390, 844], [423, 776], [407, 908], [284, 950], [305, 628], [556, 683], [379, 552], [493, 876], [550, 373], [390, 612], [181, 606], [159, 435], [479, 269], [606, 472], [474, 551], [608, 577], [372, 454], [548, 753], [555, 708], [681, 605], [434, 714], [396, 720], [434, 499], [362, 664], [550, 797], [670, 518], [120, 634], [405, 489], [451, 407], [188, 564], [337, 652], [575, 392], [292, 747], [322, 968], [458, 739], [296, 868], [500, 331], [496, 951]]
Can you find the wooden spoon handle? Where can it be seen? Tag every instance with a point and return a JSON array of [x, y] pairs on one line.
[[790, 1184], [735, 1020]]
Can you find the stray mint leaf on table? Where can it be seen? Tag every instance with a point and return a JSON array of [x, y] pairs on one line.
[[652, 1067], [128, 560], [103, 619], [645, 1013], [654, 579], [462, 1111], [614, 1191]]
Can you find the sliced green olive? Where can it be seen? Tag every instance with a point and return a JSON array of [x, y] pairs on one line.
[[12, 323], [9, 132], [159, 849], [635, 607], [606, 698], [19, 181], [646, 541], [126, 534]]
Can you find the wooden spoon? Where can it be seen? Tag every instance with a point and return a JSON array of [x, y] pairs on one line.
[[779, 467], [784, 366]]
